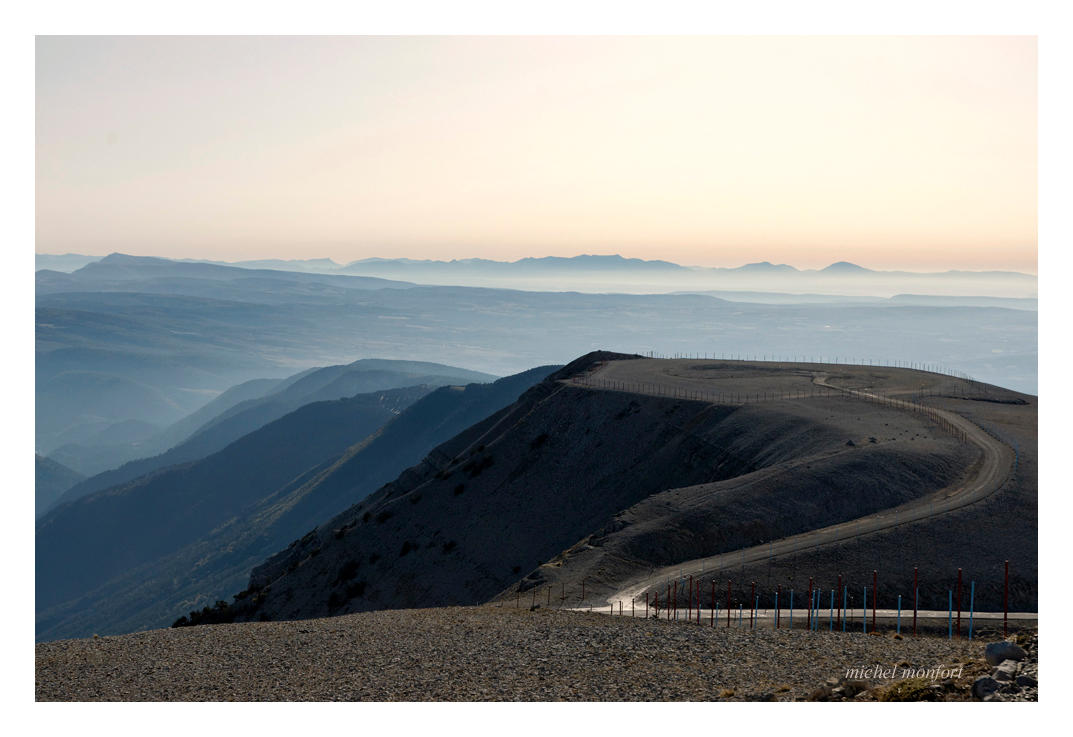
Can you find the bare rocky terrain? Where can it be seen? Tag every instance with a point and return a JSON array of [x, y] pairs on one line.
[[890, 457], [493, 653]]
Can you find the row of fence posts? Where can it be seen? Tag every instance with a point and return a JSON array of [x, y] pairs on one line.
[[747, 397], [925, 366], [839, 613]]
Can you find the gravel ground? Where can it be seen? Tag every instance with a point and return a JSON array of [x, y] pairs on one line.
[[471, 654]]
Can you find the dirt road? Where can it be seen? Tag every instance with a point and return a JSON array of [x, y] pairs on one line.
[[693, 379]]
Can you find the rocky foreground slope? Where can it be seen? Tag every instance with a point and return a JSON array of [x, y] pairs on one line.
[[500, 654]]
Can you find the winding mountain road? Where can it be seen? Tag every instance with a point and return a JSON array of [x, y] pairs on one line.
[[987, 474]]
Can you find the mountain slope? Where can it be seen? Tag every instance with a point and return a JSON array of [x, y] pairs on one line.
[[153, 593], [51, 479], [558, 469], [238, 417], [83, 543]]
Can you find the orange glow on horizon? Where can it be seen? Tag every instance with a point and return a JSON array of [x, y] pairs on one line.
[[914, 153]]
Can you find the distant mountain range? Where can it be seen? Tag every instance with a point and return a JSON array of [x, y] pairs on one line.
[[584, 262]]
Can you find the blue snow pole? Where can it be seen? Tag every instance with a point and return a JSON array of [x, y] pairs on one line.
[[815, 610], [972, 597], [831, 617]]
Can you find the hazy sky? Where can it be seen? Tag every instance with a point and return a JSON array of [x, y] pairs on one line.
[[892, 152]]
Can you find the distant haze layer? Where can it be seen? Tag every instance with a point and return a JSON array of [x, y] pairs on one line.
[[760, 281]]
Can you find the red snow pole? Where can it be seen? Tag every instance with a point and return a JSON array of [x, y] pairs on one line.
[[690, 598]]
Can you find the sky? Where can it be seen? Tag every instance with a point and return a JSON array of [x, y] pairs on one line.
[[910, 152]]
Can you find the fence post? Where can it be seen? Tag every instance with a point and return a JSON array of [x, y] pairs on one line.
[[916, 593], [752, 611], [864, 611], [972, 602], [791, 610], [840, 608], [808, 622], [949, 614], [778, 612], [674, 602], [1006, 599], [898, 630], [959, 603], [698, 602], [713, 602], [875, 597], [845, 595], [690, 598]]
